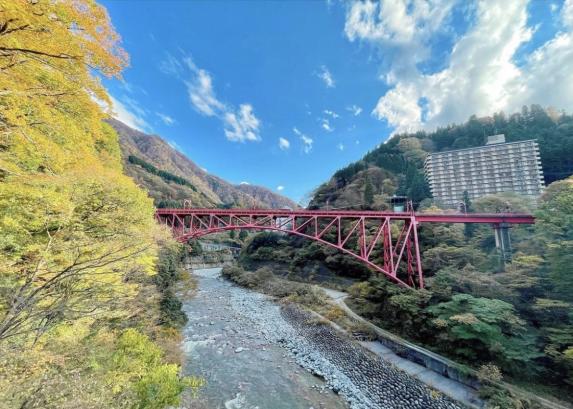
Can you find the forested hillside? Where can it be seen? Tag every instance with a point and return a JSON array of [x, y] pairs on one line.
[[511, 321], [170, 177], [85, 272], [396, 166]]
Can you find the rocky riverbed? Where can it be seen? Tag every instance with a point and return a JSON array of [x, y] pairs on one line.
[[254, 353]]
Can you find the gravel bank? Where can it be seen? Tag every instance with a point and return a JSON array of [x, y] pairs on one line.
[[227, 342], [363, 379]]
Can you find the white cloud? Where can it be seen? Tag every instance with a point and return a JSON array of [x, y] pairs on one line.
[[167, 120], [306, 141], [284, 144], [400, 108], [134, 106], [240, 124], [554, 7], [340, 147], [332, 114], [126, 113], [567, 13], [354, 109], [326, 77], [402, 28], [481, 76], [171, 65], [325, 124], [131, 88], [280, 188], [202, 95], [396, 22]]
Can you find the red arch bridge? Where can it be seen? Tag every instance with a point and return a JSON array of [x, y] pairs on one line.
[[387, 242]]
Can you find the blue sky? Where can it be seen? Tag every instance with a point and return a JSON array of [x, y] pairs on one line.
[[282, 94]]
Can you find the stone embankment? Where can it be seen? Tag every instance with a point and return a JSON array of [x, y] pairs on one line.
[[362, 378], [379, 383]]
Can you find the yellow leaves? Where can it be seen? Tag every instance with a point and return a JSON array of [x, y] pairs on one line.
[[527, 261], [49, 120], [28, 206], [80, 367], [489, 373], [64, 34], [360, 290], [70, 335], [77, 237], [132, 345], [440, 323], [467, 318], [542, 304], [73, 239]]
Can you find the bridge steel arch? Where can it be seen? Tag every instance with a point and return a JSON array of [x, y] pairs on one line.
[[387, 242]]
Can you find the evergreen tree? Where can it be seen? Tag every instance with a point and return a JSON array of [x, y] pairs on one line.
[[368, 193], [469, 228]]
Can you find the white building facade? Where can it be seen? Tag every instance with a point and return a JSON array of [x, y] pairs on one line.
[[494, 168]]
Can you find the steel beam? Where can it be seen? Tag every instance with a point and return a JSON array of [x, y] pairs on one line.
[[401, 260]]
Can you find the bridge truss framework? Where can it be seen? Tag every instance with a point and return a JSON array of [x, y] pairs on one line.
[[387, 242]]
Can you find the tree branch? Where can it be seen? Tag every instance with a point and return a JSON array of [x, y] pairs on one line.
[[6, 51]]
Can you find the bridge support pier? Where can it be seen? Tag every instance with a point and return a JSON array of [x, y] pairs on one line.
[[503, 241]]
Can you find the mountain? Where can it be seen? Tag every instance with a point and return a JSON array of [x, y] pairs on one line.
[[264, 195], [396, 166], [170, 177]]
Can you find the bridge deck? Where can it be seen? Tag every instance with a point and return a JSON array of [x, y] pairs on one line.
[[510, 218], [354, 232]]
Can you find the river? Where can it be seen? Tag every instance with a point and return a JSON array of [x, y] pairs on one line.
[[227, 343], [255, 354]]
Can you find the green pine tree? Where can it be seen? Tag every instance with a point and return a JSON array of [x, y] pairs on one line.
[[368, 193], [469, 228]]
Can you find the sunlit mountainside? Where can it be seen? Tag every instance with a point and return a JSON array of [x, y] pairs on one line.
[[197, 185]]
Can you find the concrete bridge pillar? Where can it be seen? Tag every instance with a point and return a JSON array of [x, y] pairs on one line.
[[503, 241]]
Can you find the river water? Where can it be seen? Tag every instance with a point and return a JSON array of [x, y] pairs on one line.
[[229, 342]]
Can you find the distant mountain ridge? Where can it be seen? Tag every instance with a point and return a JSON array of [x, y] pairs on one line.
[[177, 178]]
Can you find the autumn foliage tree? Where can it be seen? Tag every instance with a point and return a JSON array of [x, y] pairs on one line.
[[78, 243], [62, 193]]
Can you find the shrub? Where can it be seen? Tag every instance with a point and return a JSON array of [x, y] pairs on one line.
[[307, 295], [263, 274], [232, 272], [334, 313], [501, 399], [363, 331], [168, 273], [489, 373], [172, 314]]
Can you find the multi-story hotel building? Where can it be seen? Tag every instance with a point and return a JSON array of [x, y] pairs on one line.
[[493, 168]]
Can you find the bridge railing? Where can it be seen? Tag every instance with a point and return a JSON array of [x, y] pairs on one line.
[[364, 234]]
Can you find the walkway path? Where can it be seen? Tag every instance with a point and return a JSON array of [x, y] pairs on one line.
[[449, 387]]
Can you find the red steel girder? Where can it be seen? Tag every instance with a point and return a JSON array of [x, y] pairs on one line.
[[399, 260]]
